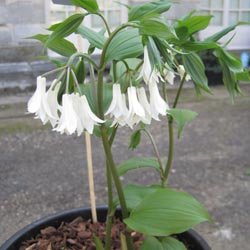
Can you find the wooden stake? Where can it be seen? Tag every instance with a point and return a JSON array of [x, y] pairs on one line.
[[89, 153]]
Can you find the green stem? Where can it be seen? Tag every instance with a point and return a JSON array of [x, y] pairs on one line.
[[110, 212], [84, 55], [171, 133], [105, 22], [110, 198], [157, 154]]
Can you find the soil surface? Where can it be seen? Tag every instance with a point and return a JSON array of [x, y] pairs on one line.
[[42, 172]]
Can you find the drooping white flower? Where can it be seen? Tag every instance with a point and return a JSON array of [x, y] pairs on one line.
[[144, 102], [181, 70], [121, 120], [35, 103], [50, 104], [169, 76], [86, 119], [118, 106], [157, 103], [68, 120], [148, 72], [136, 112]]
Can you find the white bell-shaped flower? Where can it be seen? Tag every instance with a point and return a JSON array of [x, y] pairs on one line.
[[181, 70], [121, 119], [169, 76], [86, 119], [68, 120], [144, 102], [35, 103], [50, 104], [148, 72], [118, 106], [136, 112], [157, 103]]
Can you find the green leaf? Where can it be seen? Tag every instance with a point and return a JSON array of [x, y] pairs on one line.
[[170, 243], [121, 71], [98, 243], [135, 194], [243, 76], [147, 10], [65, 28], [137, 162], [217, 36], [151, 243], [154, 54], [191, 25], [182, 117], [199, 46], [167, 243], [166, 212], [96, 39], [90, 5], [135, 139], [80, 71], [126, 44], [196, 69], [154, 27], [233, 62], [59, 45], [89, 88]]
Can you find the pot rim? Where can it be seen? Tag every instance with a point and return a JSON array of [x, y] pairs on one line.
[[70, 214]]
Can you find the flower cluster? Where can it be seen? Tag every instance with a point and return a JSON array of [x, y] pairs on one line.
[[74, 115]]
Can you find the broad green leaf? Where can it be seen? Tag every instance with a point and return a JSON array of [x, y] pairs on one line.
[[243, 76], [96, 39], [98, 243], [89, 89], [135, 139], [217, 36], [137, 162], [229, 80], [167, 243], [182, 117], [147, 10], [135, 194], [233, 62], [126, 44], [154, 54], [155, 27], [89, 5], [60, 45], [151, 243], [196, 69], [80, 71], [166, 212], [191, 25], [170, 243], [121, 71], [65, 28], [199, 46]]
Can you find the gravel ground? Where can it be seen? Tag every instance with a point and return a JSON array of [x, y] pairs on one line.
[[42, 172]]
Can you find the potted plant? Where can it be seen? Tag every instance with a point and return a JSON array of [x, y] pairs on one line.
[[144, 55]]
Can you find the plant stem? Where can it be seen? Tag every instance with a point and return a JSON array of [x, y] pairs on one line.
[[171, 134], [156, 151], [117, 182]]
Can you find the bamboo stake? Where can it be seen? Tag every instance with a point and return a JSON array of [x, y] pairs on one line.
[[89, 153]]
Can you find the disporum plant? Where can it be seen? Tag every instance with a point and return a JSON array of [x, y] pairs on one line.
[[143, 55]]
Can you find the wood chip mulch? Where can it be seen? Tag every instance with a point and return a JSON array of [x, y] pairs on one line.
[[78, 235]]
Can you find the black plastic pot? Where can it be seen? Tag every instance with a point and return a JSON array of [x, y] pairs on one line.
[[191, 238]]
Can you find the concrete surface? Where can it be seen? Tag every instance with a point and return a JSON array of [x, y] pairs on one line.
[[42, 172]]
